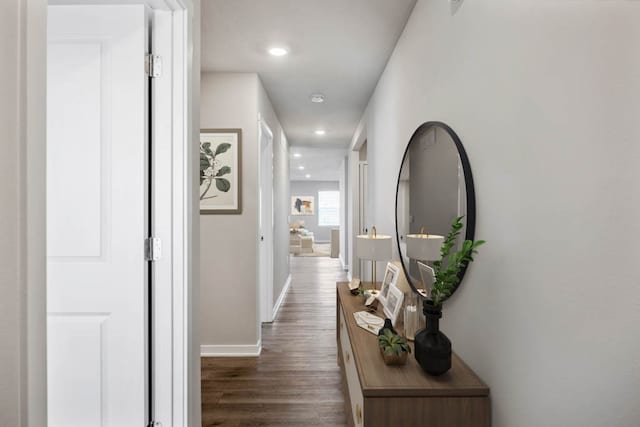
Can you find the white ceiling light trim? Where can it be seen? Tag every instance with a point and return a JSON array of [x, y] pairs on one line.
[[317, 98], [278, 51], [297, 155], [320, 132], [301, 168], [307, 176]]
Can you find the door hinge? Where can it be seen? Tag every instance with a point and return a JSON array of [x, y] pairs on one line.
[[152, 249], [154, 65]]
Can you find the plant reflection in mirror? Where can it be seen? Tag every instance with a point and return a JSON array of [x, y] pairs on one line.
[[450, 264]]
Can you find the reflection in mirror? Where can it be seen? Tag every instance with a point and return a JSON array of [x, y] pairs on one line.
[[432, 191]]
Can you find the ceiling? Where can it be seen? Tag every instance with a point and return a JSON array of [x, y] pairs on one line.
[[321, 164], [336, 47]]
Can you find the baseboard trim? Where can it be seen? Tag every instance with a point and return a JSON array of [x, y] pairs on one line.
[[231, 350], [345, 267], [285, 289]]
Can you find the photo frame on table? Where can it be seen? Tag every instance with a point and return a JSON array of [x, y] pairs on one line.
[[390, 278], [394, 303], [221, 171], [427, 275], [302, 205]]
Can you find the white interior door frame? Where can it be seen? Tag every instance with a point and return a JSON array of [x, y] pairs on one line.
[[176, 376], [171, 170], [265, 226], [32, 30]]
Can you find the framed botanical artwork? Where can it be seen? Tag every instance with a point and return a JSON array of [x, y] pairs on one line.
[[390, 279], [302, 205], [221, 171], [394, 303]]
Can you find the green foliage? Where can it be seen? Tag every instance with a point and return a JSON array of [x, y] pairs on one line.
[[392, 343], [446, 276], [223, 184], [223, 171], [222, 148]]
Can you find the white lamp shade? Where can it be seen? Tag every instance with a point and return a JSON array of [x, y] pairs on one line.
[[424, 247], [376, 248]]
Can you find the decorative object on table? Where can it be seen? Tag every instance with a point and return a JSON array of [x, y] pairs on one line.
[[421, 248], [433, 348], [393, 304], [302, 205], [393, 347], [373, 247], [368, 321], [221, 171], [387, 325], [371, 304], [414, 319], [354, 286], [390, 278], [427, 276]]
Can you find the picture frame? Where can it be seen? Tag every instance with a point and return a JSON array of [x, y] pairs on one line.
[[390, 278], [393, 306], [427, 275], [302, 205], [221, 171]]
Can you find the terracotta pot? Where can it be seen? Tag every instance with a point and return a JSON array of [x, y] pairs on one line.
[[394, 359]]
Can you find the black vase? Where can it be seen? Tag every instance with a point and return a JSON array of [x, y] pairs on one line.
[[432, 347]]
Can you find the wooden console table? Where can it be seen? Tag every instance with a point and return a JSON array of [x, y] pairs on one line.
[[381, 395]]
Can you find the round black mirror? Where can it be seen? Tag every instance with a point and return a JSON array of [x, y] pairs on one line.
[[435, 186]]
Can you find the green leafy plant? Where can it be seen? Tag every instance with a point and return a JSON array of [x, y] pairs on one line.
[[211, 171], [392, 343], [447, 269]]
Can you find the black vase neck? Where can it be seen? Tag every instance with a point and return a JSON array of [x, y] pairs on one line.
[[433, 313]]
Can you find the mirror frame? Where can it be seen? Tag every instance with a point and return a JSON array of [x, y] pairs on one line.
[[470, 216]]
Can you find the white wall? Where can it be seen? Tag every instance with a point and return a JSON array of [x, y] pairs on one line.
[[228, 243], [544, 96], [193, 388], [22, 213]]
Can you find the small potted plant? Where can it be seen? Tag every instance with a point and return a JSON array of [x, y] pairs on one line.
[[393, 347]]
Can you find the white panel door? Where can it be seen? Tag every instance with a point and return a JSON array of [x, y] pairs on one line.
[[266, 222], [97, 215]]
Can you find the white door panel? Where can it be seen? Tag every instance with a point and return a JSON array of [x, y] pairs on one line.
[[97, 215], [266, 222]]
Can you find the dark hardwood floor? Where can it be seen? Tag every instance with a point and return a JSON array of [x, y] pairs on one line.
[[296, 380]]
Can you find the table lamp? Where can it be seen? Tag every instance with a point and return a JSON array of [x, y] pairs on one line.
[[373, 247]]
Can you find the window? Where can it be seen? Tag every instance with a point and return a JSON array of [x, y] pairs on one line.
[[328, 208]]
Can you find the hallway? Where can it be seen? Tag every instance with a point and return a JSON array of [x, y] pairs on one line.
[[296, 380]]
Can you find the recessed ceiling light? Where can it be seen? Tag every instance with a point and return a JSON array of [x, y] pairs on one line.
[[320, 132], [297, 155], [278, 51], [301, 168], [307, 176], [317, 98]]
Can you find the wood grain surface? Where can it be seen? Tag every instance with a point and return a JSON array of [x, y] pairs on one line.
[[378, 379], [295, 381]]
